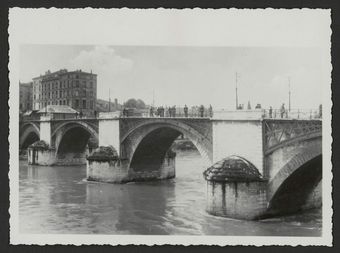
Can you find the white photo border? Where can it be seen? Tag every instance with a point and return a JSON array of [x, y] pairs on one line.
[[198, 27]]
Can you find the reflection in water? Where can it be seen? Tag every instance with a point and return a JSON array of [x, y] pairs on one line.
[[59, 200]]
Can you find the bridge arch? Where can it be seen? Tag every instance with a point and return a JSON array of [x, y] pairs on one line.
[[73, 136], [148, 142], [295, 182], [29, 133]]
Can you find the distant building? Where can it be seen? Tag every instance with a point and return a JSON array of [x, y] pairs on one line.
[[76, 89], [103, 105], [59, 111], [26, 97]]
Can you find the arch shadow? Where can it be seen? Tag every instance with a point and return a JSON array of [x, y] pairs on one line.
[[297, 185], [73, 137], [153, 140], [29, 134]]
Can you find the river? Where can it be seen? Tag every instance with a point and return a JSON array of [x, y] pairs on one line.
[[60, 200]]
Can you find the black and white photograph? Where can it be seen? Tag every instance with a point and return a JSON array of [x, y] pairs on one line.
[[170, 126]]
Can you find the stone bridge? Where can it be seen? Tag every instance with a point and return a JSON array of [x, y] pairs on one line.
[[287, 153], [68, 140]]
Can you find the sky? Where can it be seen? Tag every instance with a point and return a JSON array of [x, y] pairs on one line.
[[189, 75]]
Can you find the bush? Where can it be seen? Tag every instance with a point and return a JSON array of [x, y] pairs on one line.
[[103, 154], [39, 145]]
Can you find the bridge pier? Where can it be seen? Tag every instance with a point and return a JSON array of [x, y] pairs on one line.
[[40, 154], [104, 165], [45, 155]]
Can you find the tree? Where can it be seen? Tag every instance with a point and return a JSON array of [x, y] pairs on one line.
[[135, 103]]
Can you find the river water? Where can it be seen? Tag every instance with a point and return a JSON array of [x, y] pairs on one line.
[[60, 200]]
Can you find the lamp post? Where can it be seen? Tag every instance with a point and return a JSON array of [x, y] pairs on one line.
[[289, 94], [109, 100], [236, 90]]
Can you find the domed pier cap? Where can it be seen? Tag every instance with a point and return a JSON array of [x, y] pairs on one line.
[[233, 169]]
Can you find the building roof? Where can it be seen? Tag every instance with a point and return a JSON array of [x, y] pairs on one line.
[[233, 168], [30, 112], [28, 84], [52, 75], [57, 109]]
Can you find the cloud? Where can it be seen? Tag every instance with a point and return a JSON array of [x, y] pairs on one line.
[[102, 59], [106, 63]]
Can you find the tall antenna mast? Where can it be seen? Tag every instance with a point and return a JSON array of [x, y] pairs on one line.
[[289, 93], [109, 100], [236, 90]]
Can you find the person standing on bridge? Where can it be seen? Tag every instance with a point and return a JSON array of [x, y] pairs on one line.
[[124, 112], [162, 111], [320, 111], [201, 111], [151, 111], [210, 111], [270, 112], [282, 110], [174, 111], [186, 111]]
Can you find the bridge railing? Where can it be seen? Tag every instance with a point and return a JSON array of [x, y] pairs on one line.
[[305, 114], [170, 112], [195, 113], [292, 114]]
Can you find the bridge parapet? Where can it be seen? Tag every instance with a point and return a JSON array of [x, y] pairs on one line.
[[281, 132]]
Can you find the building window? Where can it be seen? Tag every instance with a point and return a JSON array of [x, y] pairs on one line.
[[84, 104], [91, 104], [77, 83], [77, 103]]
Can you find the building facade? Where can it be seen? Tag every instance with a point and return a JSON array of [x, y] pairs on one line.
[[76, 89], [26, 99]]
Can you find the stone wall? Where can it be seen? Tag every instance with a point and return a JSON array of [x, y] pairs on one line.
[[280, 157], [314, 199], [45, 131], [238, 137], [239, 200], [107, 171], [49, 157], [71, 158], [41, 156], [166, 171], [109, 133]]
